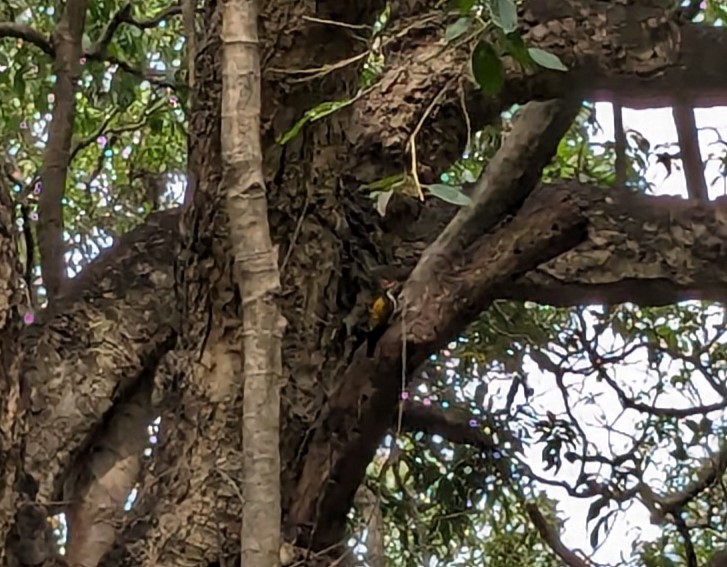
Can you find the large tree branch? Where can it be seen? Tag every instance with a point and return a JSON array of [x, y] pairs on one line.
[[360, 409], [632, 243], [538, 128], [106, 333], [643, 59]]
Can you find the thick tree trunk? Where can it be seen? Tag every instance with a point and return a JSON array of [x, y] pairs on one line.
[[330, 238], [11, 421], [312, 216]]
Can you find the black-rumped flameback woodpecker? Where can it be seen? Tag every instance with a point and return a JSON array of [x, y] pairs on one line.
[[380, 312]]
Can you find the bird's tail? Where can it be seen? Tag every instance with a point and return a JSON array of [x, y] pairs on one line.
[[372, 340], [370, 346]]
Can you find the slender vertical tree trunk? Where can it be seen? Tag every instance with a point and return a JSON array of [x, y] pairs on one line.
[[258, 282]]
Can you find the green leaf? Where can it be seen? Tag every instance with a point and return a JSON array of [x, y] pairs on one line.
[[449, 194], [316, 113], [516, 47], [19, 84], [595, 508], [487, 68], [546, 59], [504, 14], [456, 29], [385, 183], [464, 6]]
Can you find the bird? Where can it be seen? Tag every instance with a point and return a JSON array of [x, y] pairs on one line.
[[380, 311]]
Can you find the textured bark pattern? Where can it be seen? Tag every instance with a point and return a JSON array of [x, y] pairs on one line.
[[632, 254], [118, 335], [455, 280], [11, 422], [113, 329]]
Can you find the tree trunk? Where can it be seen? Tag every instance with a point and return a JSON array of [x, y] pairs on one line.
[[165, 286], [312, 215], [11, 419]]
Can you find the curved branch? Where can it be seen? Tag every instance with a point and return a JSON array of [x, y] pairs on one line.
[[550, 534], [110, 328], [27, 33], [457, 425], [123, 16]]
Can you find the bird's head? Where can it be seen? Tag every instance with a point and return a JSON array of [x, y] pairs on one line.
[[390, 285]]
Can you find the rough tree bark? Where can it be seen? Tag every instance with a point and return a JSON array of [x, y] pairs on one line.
[[11, 419], [103, 341]]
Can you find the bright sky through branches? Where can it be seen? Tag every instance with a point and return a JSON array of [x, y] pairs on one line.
[[657, 126]]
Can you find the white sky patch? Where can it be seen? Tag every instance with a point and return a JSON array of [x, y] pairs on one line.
[[633, 524]]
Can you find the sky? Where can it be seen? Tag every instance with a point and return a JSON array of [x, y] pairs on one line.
[[658, 127]]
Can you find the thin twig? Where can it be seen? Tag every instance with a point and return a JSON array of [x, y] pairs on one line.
[[620, 138], [417, 129], [336, 24]]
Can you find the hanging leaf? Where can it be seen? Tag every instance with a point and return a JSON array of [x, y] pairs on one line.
[[546, 59], [449, 194], [487, 68], [461, 26], [316, 113], [382, 201], [595, 508], [504, 14]]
